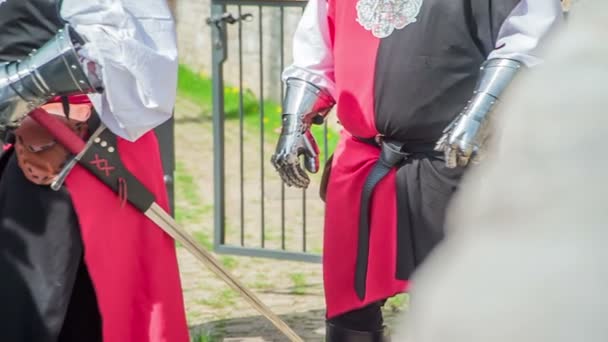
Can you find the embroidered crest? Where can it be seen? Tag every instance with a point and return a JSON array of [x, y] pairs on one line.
[[382, 17]]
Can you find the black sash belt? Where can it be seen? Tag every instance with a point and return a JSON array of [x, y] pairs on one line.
[[393, 153]]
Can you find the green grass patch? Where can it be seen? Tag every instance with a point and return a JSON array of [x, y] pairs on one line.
[[187, 187], [186, 191], [397, 303], [221, 300], [261, 282], [229, 262], [261, 285], [206, 336], [189, 208], [317, 250], [204, 240], [299, 283], [198, 88]]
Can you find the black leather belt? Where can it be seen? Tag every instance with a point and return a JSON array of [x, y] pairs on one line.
[[393, 153]]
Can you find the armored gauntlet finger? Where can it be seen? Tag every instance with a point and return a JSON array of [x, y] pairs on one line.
[[286, 160]]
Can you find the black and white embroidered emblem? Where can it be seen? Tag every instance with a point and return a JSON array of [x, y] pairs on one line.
[[382, 17]]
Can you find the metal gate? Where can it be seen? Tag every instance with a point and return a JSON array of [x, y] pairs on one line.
[[254, 213]]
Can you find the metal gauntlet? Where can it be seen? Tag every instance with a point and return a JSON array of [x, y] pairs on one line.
[[465, 137], [53, 70], [304, 104]]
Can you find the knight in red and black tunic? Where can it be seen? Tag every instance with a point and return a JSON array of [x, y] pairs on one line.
[[415, 83]]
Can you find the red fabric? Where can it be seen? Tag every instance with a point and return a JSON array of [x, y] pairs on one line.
[[355, 52], [75, 99], [131, 261]]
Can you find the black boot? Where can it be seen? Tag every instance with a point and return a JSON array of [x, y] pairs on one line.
[[336, 333]]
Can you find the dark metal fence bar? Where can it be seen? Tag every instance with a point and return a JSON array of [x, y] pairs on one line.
[[218, 38], [241, 131], [282, 92], [261, 56]]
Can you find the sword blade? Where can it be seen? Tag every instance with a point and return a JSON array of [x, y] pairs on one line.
[[164, 221]]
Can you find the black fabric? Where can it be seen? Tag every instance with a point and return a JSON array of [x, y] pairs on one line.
[[368, 318], [425, 187], [83, 319], [426, 72], [26, 25], [392, 154], [40, 255], [339, 334]]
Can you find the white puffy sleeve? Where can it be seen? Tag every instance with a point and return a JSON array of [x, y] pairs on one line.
[[525, 29], [134, 43], [313, 56]]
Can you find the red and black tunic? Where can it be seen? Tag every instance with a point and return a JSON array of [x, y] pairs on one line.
[[407, 87]]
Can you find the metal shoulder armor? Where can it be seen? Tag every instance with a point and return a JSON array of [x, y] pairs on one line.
[[53, 70]]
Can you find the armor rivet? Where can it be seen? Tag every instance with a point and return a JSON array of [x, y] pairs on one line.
[[104, 143], [110, 149], [97, 140]]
